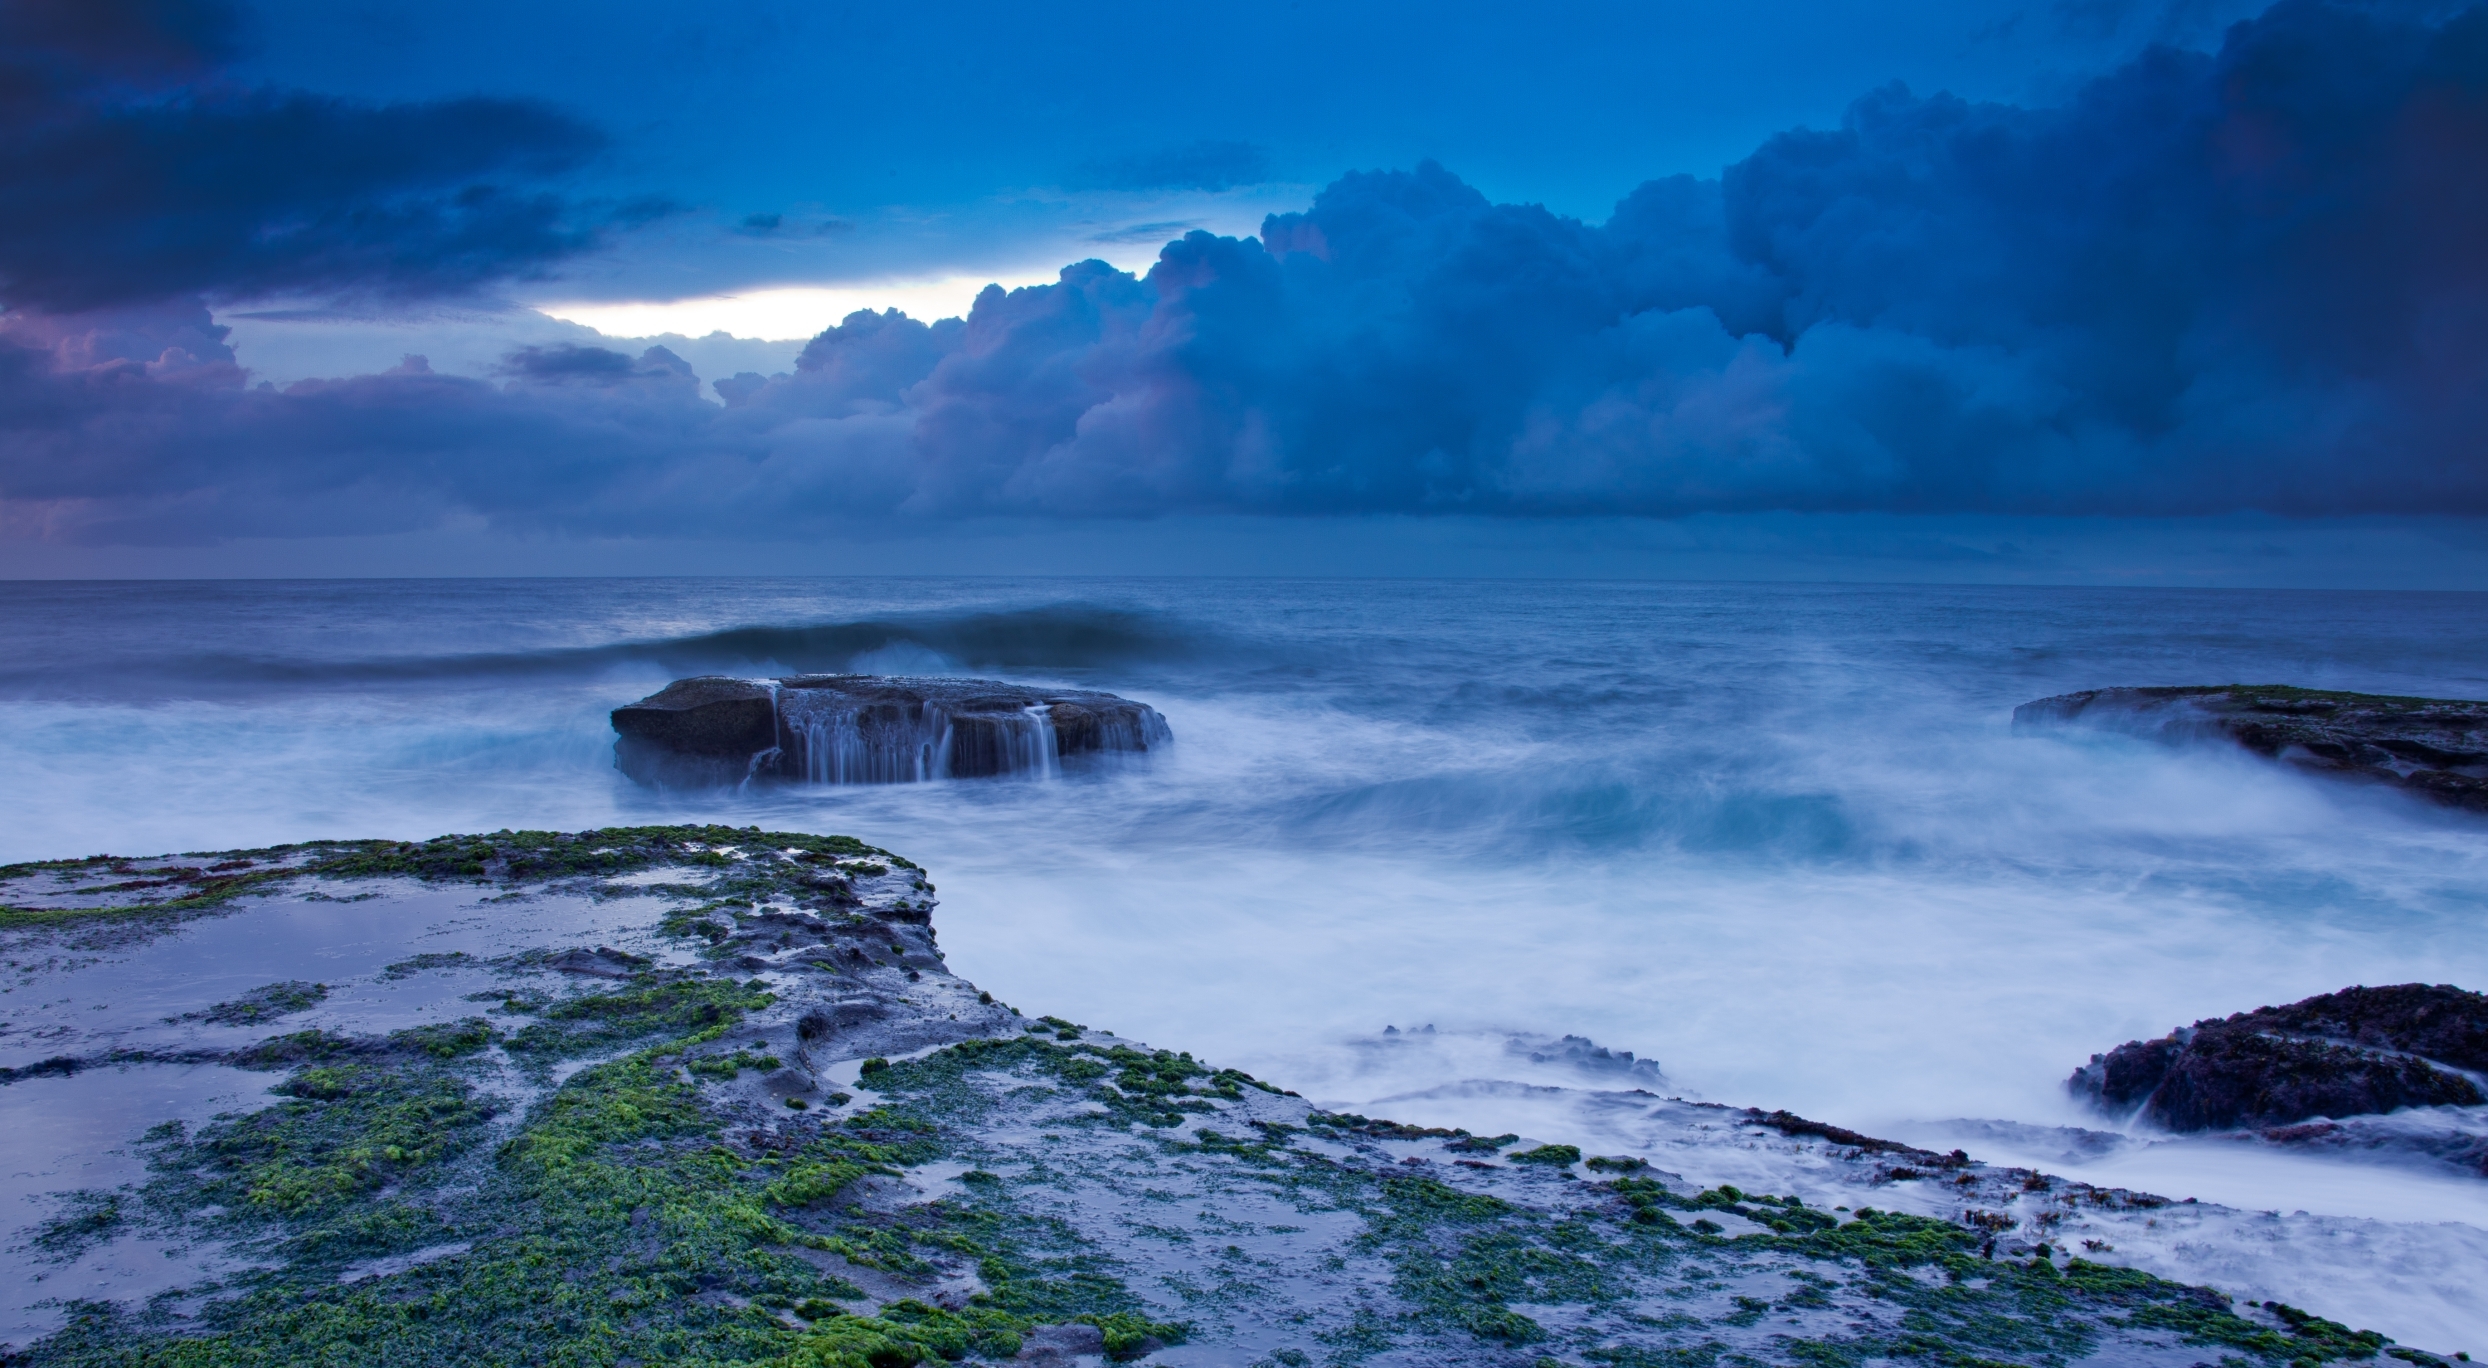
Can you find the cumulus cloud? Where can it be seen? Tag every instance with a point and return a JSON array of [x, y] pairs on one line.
[[131, 169], [2255, 278]]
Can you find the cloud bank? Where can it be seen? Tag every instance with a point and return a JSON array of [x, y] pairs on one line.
[[2251, 279], [131, 171]]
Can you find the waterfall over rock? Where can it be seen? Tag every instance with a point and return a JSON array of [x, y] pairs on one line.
[[713, 730]]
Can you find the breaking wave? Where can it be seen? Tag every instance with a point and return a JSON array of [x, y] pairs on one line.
[[1068, 639]]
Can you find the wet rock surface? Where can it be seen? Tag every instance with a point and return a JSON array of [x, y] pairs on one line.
[[2359, 1052], [799, 1140], [712, 731], [2436, 748]]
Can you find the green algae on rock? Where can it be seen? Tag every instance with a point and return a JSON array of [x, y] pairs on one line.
[[100, 888], [612, 1174]]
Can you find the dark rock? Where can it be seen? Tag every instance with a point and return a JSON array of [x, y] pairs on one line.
[[601, 962], [869, 729], [1791, 1124], [2356, 1052], [823, 1022], [695, 733], [2436, 748]]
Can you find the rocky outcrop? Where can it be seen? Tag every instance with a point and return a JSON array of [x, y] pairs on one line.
[[2360, 1051], [714, 1157], [2434, 747], [869, 729]]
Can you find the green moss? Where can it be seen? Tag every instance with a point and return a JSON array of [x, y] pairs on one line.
[[614, 1224], [347, 1129], [814, 1181], [628, 1215], [282, 1051], [267, 1003], [504, 857], [1560, 1155], [83, 1220], [689, 1007], [447, 1040], [733, 1065]]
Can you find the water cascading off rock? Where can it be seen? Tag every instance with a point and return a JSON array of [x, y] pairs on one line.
[[714, 730]]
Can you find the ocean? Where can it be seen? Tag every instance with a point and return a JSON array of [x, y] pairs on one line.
[[1780, 842]]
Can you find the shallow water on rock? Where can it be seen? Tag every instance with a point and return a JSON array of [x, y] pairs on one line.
[[389, 954], [134, 990], [77, 1133]]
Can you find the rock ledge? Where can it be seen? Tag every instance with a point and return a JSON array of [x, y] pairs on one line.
[[2436, 748], [712, 730]]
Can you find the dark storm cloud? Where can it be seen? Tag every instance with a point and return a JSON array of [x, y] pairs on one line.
[[780, 226], [130, 170], [597, 366], [2250, 279], [140, 40]]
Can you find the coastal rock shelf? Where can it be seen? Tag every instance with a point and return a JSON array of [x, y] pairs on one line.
[[713, 730], [2434, 747], [781, 1132]]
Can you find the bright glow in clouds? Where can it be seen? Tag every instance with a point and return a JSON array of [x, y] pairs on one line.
[[792, 312]]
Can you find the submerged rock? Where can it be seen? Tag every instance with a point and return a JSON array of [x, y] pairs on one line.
[[2358, 1052], [2453, 1138], [868, 729], [2434, 747]]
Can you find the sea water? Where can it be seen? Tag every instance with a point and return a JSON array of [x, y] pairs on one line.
[[1780, 839]]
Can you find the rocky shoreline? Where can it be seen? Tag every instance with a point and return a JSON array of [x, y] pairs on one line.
[[2435, 748], [783, 1132]]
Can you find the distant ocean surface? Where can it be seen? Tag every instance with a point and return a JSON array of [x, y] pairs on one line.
[[1780, 839]]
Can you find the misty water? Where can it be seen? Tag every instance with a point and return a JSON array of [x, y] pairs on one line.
[[1782, 840]]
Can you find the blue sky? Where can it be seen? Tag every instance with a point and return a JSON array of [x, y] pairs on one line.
[[2045, 291]]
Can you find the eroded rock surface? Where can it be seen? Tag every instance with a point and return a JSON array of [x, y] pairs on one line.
[[2434, 747], [869, 729], [2358, 1052], [795, 1139]]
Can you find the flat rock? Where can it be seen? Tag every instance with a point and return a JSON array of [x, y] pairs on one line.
[[712, 731], [2436, 748], [2358, 1052], [691, 1157]]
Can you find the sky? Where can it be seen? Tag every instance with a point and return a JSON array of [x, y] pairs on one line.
[[2077, 290]]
